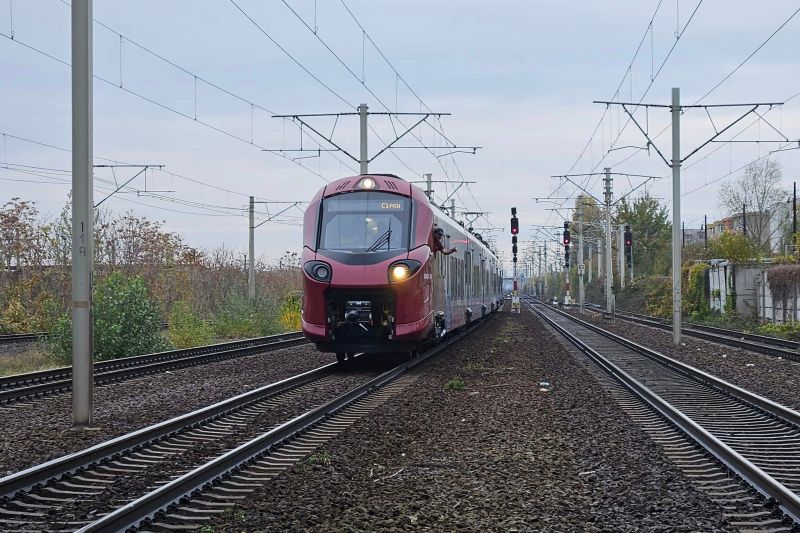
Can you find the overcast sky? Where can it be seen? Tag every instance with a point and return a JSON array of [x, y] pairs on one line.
[[519, 78]]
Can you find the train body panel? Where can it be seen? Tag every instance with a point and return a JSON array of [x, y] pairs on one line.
[[373, 280]]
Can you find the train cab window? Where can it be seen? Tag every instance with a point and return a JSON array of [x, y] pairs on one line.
[[365, 222]]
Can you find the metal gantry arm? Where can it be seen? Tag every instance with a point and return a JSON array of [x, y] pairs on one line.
[[362, 112], [115, 191], [274, 216], [675, 164]]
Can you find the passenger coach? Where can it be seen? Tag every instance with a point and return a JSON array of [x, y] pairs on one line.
[[379, 277]]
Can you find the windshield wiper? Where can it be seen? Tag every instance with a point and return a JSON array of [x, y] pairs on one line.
[[386, 237]]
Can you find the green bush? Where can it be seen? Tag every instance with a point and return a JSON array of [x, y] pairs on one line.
[[456, 384], [787, 330], [186, 328], [126, 322], [240, 317], [695, 303]]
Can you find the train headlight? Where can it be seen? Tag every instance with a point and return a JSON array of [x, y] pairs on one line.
[[367, 183], [318, 270], [402, 270]]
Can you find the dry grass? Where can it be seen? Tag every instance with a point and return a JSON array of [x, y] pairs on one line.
[[19, 359]]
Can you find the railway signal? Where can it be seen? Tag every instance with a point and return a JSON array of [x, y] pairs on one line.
[[566, 256], [567, 238], [514, 221], [628, 246]]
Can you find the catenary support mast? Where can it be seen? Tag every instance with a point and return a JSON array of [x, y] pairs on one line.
[[82, 216], [676, 216]]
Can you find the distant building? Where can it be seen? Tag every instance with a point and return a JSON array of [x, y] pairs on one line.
[[693, 236], [776, 226]]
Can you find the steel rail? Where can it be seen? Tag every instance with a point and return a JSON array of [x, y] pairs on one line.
[[153, 504], [54, 470], [749, 341], [14, 338], [752, 474], [35, 384]]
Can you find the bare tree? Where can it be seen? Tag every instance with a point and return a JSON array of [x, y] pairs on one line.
[[758, 191]]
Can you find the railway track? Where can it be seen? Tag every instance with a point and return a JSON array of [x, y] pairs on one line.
[[38, 384], [184, 471], [748, 341], [754, 438], [17, 338]]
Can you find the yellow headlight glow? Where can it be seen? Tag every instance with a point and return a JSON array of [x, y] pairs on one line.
[[400, 272]]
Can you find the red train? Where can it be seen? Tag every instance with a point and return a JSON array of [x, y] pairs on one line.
[[385, 270]]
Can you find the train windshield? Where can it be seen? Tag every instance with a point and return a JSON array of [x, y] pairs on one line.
[[365, 222]]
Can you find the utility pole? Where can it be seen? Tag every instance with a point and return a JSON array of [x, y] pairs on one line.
[[621, 256], [453, 208], [429, 187], [363, 159], [607, 252], [581, 266], [82, 216], [599, 258], [705, 231], [675, 164], [545, 269], [591, 255], [683, 234], [794, 210], [744, 219], [676, 216], [251, 253]]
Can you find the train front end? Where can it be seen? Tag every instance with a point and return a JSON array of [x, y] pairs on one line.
[[366, 266]]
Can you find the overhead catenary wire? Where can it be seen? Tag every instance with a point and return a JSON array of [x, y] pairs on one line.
[[170, 108], [439, 131]]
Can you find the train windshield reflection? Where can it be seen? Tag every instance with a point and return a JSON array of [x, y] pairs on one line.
[[365, 222]]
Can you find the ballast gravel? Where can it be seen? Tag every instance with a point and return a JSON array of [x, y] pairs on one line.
[[766, 375], [34, 432], [530, 443]]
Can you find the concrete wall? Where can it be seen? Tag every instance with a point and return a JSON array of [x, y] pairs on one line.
[[753, 296]]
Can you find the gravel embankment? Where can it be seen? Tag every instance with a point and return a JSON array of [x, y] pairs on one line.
[[38, 431], [765, 375], [500, 455]]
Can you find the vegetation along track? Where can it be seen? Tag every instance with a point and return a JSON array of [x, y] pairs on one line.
[[169, 471], [755, 438], [739, 339], [36, 384]]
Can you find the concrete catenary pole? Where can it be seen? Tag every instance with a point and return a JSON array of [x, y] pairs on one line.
[[599, 257], [545, 270], [363, 158], [82, 216], [630, 267], [429, 187], [676, 216], [581, 266], [621, 255], [453, 208], [589, 269], [251, 253], [607, 251]]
